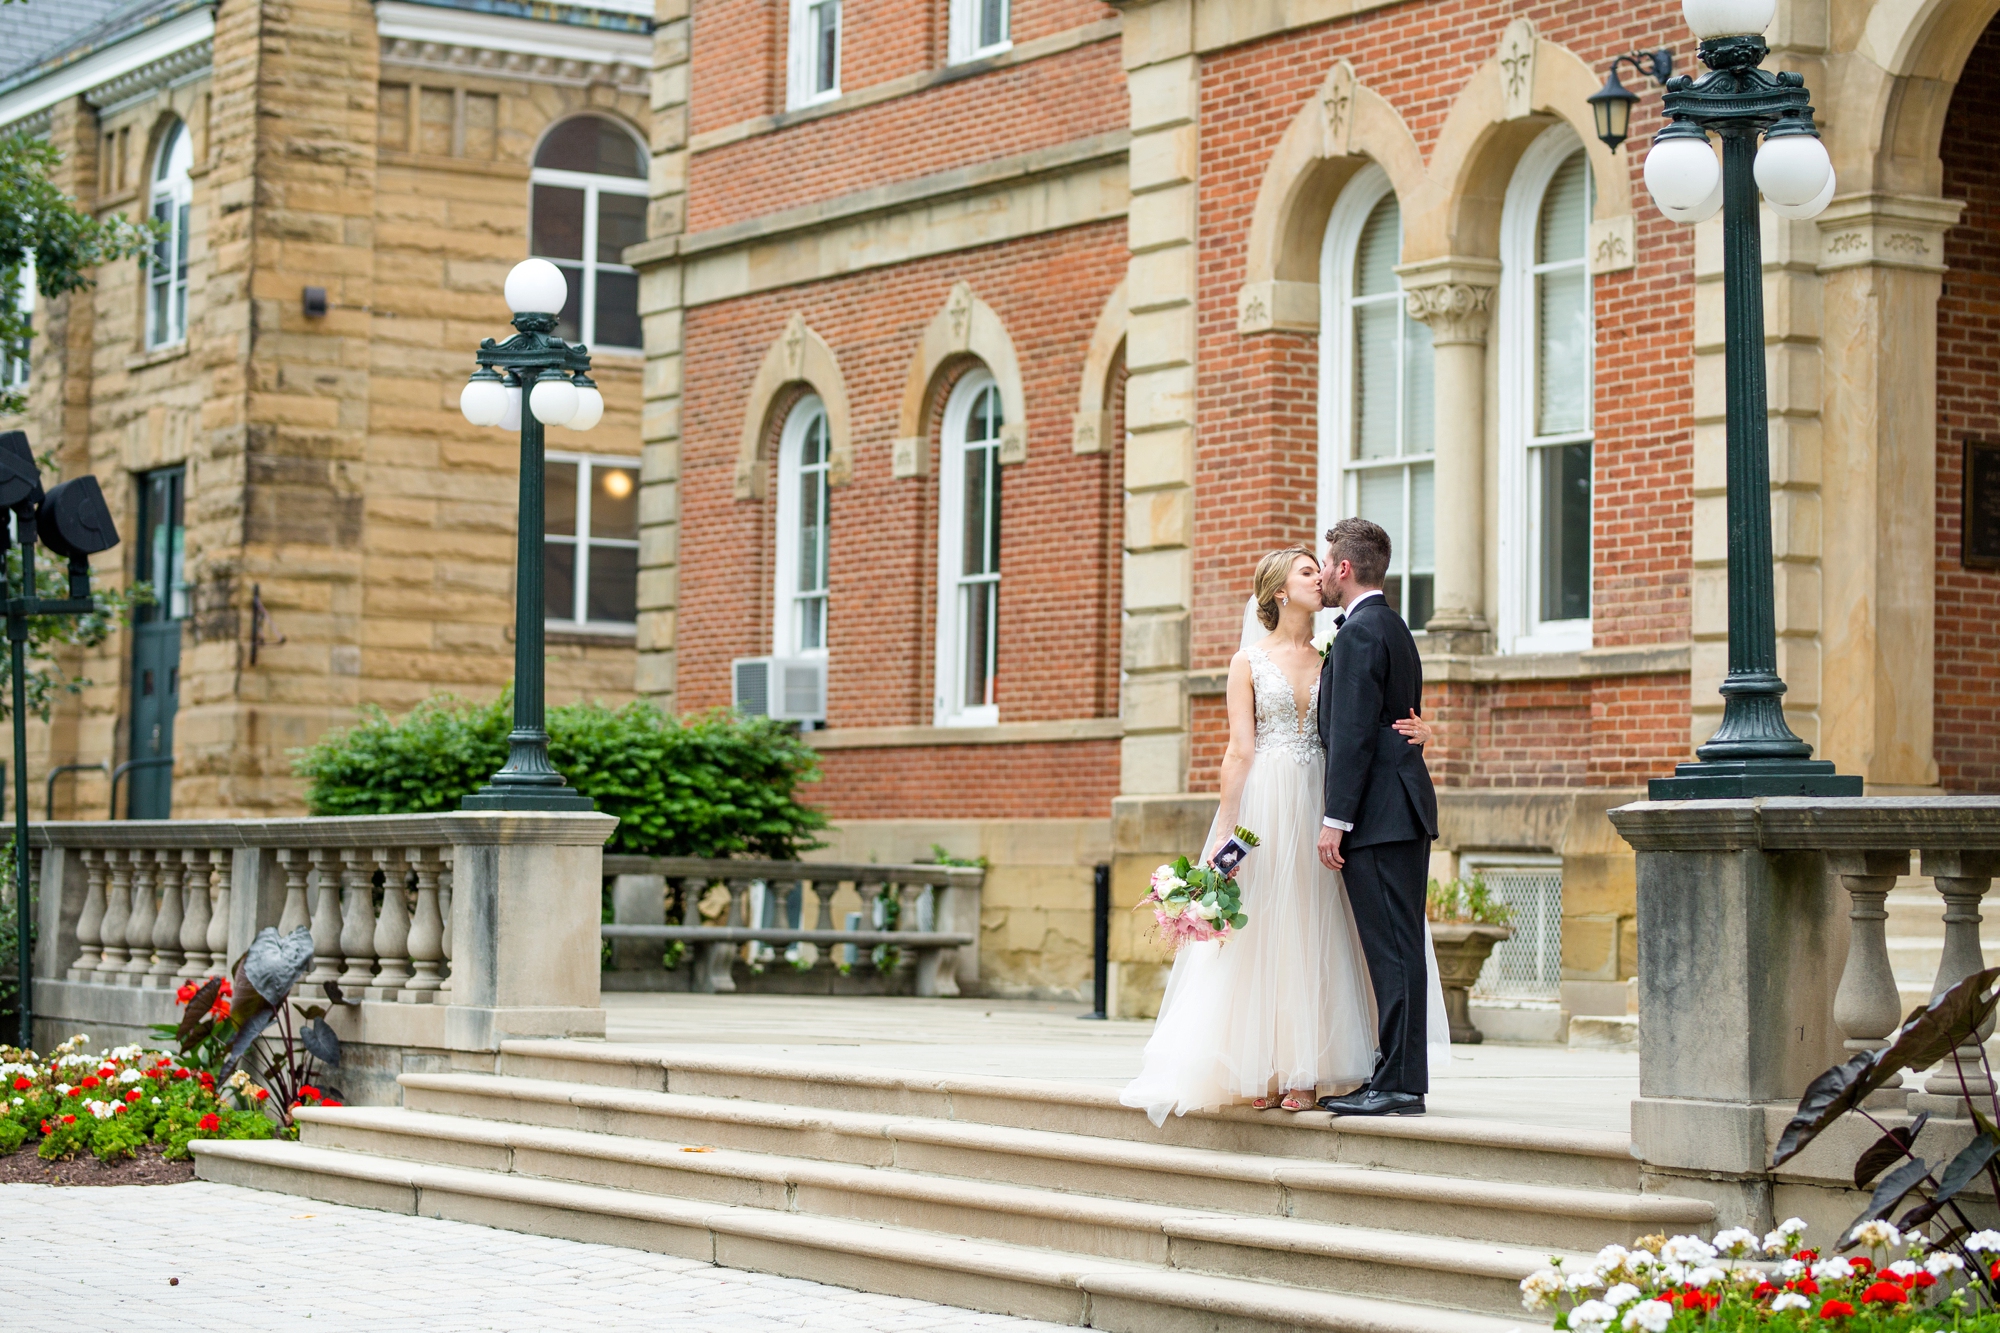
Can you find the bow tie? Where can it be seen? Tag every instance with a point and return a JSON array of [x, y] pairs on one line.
[[1340, 620]]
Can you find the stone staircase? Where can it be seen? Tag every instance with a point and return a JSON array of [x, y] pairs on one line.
[[1047, 1200], [1915, 930]]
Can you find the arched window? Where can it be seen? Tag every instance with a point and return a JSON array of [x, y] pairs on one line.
[[1546, 347], [1375, 390], [166, 275], [969, 555], [804, 453], [589, 184]]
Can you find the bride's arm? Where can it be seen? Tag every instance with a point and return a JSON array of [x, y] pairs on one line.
[[1242, 747]]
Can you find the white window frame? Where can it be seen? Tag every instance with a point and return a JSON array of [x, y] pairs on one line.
[[802, 54], [592, 186], [1519, 507], [964, 42], [793, 478], [584, 542], [16, 363], [176, 191], [950, 707], [1339, 471]]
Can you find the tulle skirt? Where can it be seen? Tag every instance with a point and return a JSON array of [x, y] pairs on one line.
[[1286, 1001]]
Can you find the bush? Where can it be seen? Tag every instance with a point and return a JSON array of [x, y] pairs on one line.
[[718, 784]]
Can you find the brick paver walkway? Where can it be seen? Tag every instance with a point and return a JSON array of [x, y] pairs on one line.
[[246, 1258]]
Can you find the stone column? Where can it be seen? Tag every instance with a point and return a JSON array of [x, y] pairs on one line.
[[1455, 298], [1882, 261]]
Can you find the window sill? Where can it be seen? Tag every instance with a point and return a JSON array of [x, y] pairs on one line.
[[597, 636], [1651, 659], [1002, 733], [157, 356]]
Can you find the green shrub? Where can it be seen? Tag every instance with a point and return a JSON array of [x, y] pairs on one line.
[[716, 784]]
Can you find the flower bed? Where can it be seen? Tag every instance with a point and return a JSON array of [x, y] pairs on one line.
[[1683, 1284], [113, 1103]]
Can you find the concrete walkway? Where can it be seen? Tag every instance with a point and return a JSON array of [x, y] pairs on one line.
[[1553, 1086]]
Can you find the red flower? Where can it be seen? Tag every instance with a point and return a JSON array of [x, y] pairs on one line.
[[118, 1109], [163, 1062], [22, 1083], [308, 1090], [76, 1092], [226, 990], [210, 1123], [180, 1073], [1884, 1293], [69, 1120], [1764, 1289], [261, 1095], [134, 1095], [208, 1080], [185, 993], [220, 1010], [1835, 1310], [89, 1081], [1861, 1263], [1805, 1286], [46, 1129], [1920, 1278], [1807, 1256], [329, 1102]]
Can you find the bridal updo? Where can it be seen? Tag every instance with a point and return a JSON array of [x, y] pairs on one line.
[[1272, 572]]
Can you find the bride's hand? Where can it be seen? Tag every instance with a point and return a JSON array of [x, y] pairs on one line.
[[1416, 729]]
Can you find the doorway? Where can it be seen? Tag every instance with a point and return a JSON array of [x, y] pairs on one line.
[[156, 642]]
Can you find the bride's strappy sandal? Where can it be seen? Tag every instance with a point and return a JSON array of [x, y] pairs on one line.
[[1301, 1099], [1264, 1104]]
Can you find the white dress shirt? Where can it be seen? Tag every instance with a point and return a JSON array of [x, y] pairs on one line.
[[1345, 612]]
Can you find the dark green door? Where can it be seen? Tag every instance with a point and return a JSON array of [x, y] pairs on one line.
[[156, 643]]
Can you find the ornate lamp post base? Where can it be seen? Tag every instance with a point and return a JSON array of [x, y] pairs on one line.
[[1735, 779]]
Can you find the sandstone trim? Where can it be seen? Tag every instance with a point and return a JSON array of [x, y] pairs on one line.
[[1006, 733], [1644, 660]]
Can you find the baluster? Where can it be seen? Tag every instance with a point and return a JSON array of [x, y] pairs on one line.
[[1866, 1008], [1962, 878], [907, 896], [117, 915], [426, 931], [296, 912], [221, 872], [445, 864], [195, 916], [824, 890], [90, 921], [326, 924], [167, 957], [139, 926], [357, 921], [392, 927]]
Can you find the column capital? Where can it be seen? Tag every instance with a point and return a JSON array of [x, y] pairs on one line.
[[1453, 295], [1886, 231]]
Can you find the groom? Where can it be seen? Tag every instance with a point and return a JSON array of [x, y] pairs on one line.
[[1381, 813]]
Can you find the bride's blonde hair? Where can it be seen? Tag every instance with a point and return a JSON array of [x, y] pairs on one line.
[[1272, 571]]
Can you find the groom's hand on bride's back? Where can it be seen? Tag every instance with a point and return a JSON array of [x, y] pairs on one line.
[[1329, 848]]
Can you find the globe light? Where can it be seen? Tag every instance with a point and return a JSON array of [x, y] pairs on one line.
[[1793, 168], [536, 287], [511, 418], [553, 401], [1681, 170], [484, 398], [1701, 212], [589, 404], [1728, 18], [1812, 208]]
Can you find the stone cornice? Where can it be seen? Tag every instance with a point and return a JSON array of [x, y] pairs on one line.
[[505, 46], [1798, 823], [114, 96], [1006, 733], [1886, 231]]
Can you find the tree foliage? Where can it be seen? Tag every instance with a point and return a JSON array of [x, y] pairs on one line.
[[716, 784]]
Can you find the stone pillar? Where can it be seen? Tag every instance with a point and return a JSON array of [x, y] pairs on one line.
[[638, 900], [1163, 78], [1882, 261], [661, 318], [1455, 298]]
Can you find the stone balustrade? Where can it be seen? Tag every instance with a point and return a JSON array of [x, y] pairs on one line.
[[438, 932], [935, 937]]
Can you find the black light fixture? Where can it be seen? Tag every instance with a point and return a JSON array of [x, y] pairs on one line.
[[1611, 105]]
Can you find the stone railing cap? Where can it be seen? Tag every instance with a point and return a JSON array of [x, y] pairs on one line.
[[471, 828], [1800, 823]]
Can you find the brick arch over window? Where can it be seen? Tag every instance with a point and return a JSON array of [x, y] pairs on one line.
[[799, 356], [967, 326], [1090, 432]]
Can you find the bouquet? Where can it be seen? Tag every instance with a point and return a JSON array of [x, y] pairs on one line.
[[1194, 903]]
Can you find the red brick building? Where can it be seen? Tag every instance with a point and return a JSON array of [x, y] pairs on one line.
[[989, 345]]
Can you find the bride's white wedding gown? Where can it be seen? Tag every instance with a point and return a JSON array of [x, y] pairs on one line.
[[1285, 1002]]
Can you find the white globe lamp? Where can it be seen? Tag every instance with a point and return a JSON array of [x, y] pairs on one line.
[[484, 398], [589, 405], [1810, 209], [1701, 212], [553, 401], [1792, 169], [510, 418], [1728, 18], [536, 287], [1681, 170]]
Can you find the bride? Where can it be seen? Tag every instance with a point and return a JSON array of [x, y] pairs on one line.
[[1284, 1007]]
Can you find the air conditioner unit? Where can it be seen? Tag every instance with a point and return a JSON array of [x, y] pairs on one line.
[[791, 689]]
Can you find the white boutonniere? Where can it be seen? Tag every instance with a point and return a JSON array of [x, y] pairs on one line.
[[1323, 642]]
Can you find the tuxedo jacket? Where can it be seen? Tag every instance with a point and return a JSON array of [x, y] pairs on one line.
[[1375, 779]]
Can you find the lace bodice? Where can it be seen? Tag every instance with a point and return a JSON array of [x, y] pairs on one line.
[[1280, 729]]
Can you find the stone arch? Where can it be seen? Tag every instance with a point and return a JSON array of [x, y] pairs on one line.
[[1090, 432], [1341, 128], [967, 326], [799, 356], [1895, 90]]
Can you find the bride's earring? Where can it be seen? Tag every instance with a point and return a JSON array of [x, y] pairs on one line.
[[1284, 601]]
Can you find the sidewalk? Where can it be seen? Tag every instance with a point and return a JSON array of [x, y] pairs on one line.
[[1552, 1086]]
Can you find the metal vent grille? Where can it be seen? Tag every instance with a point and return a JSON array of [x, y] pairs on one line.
[[1528, 966], [753, 686]]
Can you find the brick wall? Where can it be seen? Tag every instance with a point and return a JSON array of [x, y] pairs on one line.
[[1967, 743], [1071, 780]]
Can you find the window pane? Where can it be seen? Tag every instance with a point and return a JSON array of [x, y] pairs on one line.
[[614, 503], [559, 499], [1376, 328], [593, 144], [812, 532], [1380, 500], [566, 319], [1422, 600], [559, 581], [979, 606], [614, 584], [982, 512], [1380, 246], [812, 450], [1562, 351], [811, 632], [825, 23], [1421, 558], [557, 231], [1565, 531], [1564, 222], [621, 221], [1419, 402], [992, 22], [617, 309], [163, 166]]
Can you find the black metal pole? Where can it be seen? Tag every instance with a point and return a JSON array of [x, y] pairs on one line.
[[1100, 944], [17, 642]]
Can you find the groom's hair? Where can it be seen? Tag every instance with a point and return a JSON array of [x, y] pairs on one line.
[[1363, 545]]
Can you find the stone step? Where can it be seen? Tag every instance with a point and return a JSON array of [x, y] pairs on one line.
[[1447, 1145], [1914, 958], [1033, 1282], [1465, 1205], [1356, 1260]]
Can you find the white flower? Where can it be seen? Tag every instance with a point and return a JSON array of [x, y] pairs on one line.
[[156, 1101], [1877, 1235], [1540, 1287], [1673, 1274], [1588, 1280], [1613, 1257], [1790, 1269], [1648, 1317], [1832, 1270], [1790, 1300], [130, 1076], [1321, 642], [126, 1052], [19, 1100], [1983, 1242], [1591, 1317], [1165, 881], [1736, 1242], [1621, 1293], [102, 1110], [1687, 1250], [1902, 1268], [1701, 1277], [1206, 910], [1641, 1260], [1940, 1263]]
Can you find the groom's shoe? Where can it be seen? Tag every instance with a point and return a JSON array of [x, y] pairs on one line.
[[1373, 1101]]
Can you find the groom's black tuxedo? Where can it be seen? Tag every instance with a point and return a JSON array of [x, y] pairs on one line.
[[1377, 782]]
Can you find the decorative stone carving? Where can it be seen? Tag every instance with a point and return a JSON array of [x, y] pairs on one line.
[[1090, 433], [1613, 244], [1336, 101], [1517, 68], [1885, 231], [1457, 312], [1291, 307], [625, 75]]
